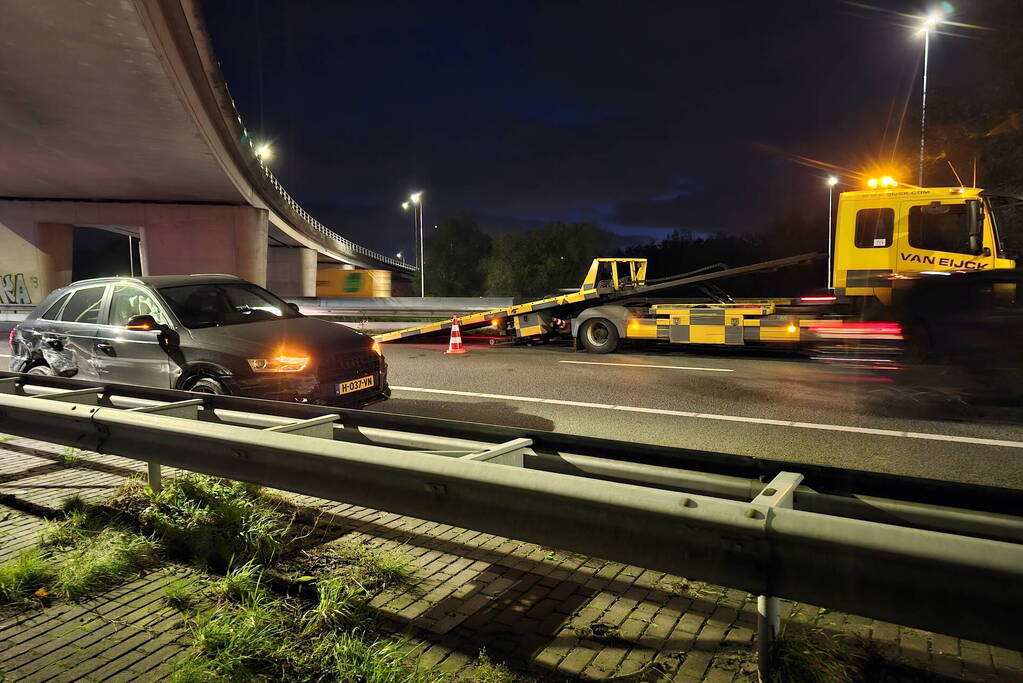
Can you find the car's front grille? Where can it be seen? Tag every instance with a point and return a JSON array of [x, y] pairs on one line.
[[350, 364]]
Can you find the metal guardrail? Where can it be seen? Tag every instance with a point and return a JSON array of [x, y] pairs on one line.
[[399, 307], [932, 566]]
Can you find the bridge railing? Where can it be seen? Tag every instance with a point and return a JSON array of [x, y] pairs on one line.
[[326, 232]]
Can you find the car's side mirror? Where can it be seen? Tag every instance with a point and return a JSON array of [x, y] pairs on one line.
[[168, 338], [293, 306], [142, 323]]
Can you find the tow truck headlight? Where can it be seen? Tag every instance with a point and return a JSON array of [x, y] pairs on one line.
[[279, 364]]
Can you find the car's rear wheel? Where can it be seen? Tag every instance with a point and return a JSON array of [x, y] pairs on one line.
[[599, 335], [208, 385], [41, 370]]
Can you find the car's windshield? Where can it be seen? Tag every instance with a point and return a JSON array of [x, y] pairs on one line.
[[214, 305]]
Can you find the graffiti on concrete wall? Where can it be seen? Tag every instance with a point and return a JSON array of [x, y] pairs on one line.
[[13, 289]]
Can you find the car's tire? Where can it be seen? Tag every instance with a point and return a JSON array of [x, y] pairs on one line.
[[599, 335], [42, 369], [208, 385]]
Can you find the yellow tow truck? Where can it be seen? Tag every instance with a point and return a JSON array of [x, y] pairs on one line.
[[885, 238]]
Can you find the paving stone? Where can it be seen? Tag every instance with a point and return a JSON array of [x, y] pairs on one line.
[[696, 664], [473, 590], [578, 658]]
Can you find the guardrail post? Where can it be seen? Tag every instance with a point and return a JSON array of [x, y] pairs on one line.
[[155, 477], [778, 493], [188, 409]]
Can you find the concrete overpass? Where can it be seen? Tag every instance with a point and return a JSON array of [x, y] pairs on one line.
[[115, 114]]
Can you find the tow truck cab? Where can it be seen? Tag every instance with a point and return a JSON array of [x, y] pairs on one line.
[[885, 238]]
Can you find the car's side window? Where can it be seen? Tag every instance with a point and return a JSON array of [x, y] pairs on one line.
[[53, 311], [127, 302], [84, 306]]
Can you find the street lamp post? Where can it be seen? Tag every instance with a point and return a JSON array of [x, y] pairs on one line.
[[415, 202], [417, 199], [930, 23], [832, 181]]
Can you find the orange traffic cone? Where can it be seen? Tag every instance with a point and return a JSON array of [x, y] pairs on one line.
[[455, 345]]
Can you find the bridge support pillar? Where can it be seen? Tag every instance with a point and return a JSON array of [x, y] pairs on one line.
[[179, 239], [291, 271]]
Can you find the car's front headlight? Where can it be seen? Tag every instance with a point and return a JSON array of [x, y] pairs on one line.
[[279, 364]]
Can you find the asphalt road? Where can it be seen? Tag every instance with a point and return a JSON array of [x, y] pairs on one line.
[[775, 406], [768, 405]]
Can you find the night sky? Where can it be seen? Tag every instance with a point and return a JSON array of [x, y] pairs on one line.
[[640, 116]]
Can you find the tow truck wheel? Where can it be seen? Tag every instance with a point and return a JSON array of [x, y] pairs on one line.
[[599, 335]]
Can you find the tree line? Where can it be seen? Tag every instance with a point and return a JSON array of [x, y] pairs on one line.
[[464, 260]]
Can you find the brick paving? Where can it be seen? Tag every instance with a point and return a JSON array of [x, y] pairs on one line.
[[553, 612]]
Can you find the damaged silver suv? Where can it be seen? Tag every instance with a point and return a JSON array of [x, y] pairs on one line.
[[213, 334]]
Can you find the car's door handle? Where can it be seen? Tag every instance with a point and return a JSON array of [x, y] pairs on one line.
[[105, 348]]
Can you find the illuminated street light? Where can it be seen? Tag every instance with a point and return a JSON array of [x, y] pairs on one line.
[[415, 201], [929, 24], [832, 181], [399, 255], [264, 152]]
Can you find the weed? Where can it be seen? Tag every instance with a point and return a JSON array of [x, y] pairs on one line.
[[354, 658], [372, 568], [102, 560], [71, 457], [23, 575], [254, 636], [243, 584], [207, 520], [340, 604], [486, 671], [81, 520], [6, 437], [65, 532], [816, 657], [239, 644], [180, 598]]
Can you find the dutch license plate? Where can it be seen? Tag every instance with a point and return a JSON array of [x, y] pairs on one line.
[[355, 385]]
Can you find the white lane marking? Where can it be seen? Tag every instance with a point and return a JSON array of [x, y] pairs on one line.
[[727, 418], [638, 365]]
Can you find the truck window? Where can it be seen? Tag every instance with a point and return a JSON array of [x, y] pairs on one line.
[[941, 228], [874, 228]]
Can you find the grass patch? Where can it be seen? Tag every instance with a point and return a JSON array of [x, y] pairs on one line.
[[215, 523], [252, 635], [181, 598], [486, 671], [815, 656], [374, 569], [339, 604], [102, 560], [241, 584], [71, 457], [23, 575]]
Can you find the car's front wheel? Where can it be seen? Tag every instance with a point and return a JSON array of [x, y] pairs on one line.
[[208, 385]]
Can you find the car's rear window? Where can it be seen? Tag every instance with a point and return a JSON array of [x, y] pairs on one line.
[[53, 311], [215, 305], [83, 307]]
